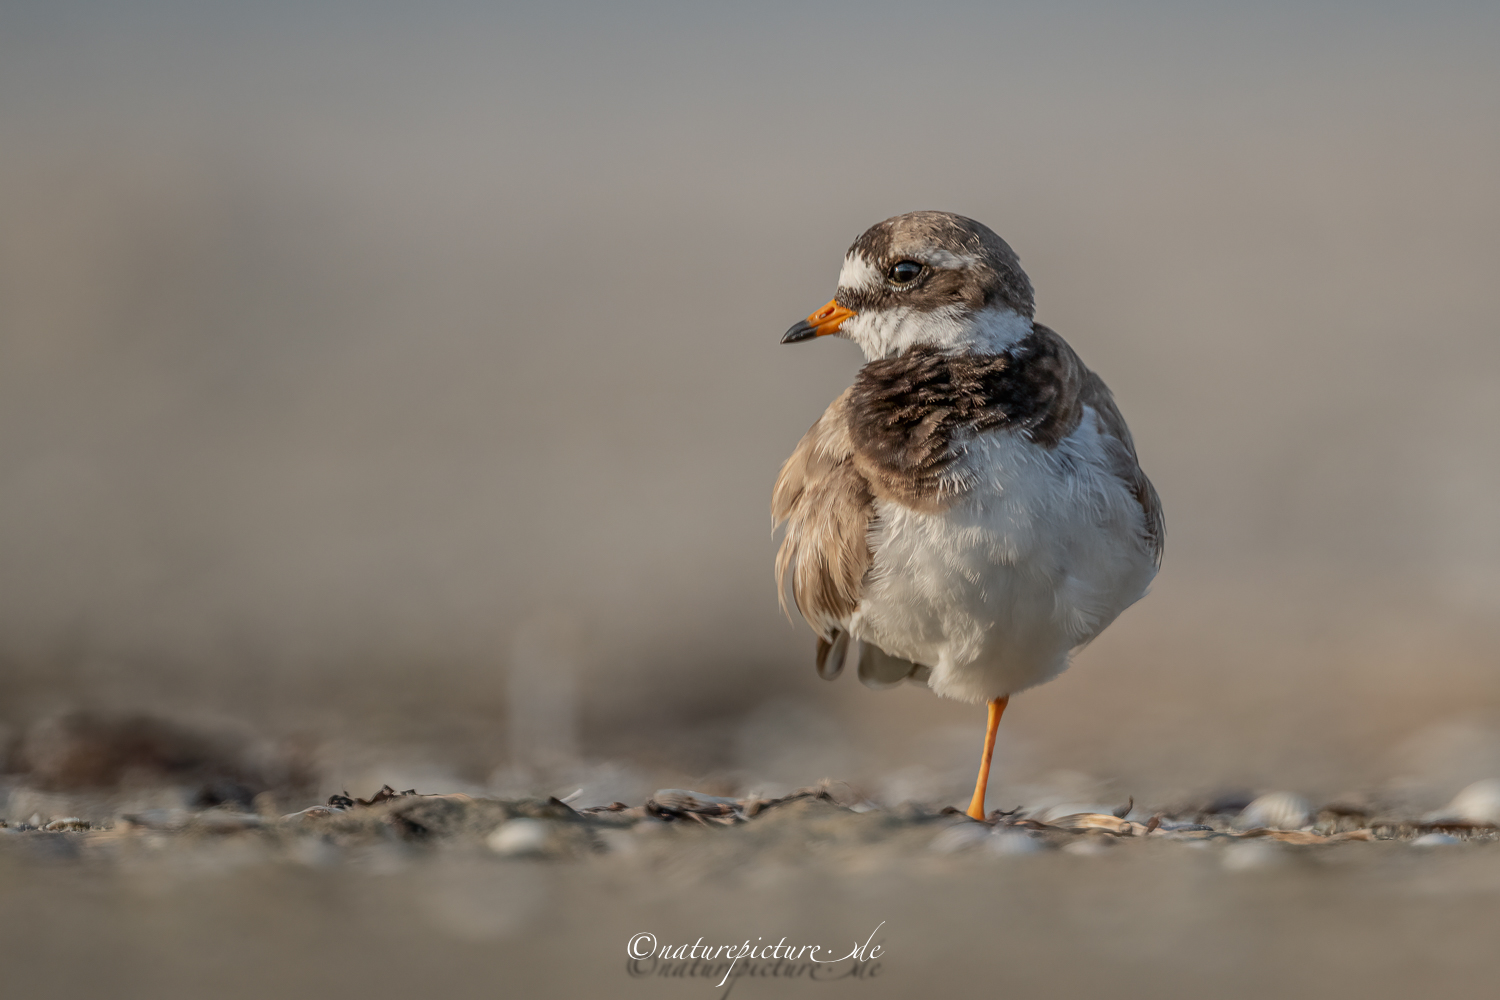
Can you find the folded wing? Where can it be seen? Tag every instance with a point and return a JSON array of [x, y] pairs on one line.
[[827, 506], [1094, 393]]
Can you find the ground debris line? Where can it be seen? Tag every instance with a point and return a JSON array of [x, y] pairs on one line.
[[415, 819]]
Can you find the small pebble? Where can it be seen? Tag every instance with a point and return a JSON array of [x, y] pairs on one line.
[[1435, 840], [519, 838]]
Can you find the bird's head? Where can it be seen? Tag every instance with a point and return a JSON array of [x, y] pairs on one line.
[[931, 278]]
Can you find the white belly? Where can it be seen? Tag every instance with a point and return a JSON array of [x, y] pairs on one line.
[[993, 594]]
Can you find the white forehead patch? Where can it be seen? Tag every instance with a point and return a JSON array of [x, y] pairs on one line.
[[858, 273]]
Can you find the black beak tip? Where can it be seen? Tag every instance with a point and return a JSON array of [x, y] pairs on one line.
[[800, 332]]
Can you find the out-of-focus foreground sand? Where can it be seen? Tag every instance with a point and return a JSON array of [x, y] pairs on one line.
[[395, 397], [474, 898]]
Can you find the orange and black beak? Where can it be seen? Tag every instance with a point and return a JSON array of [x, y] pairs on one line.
[[820, 324]]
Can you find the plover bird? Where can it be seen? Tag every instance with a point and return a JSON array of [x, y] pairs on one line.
[[971, 510]]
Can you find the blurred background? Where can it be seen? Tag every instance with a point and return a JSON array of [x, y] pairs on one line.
[[392, 394]]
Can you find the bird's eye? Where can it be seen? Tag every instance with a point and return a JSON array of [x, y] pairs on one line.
[[904, 273]]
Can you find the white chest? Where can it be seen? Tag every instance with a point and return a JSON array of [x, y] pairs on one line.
[[1041, 554]]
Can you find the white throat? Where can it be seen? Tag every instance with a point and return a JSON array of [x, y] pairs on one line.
[[892, 331]]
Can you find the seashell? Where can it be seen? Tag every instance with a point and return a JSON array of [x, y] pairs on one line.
[[1478, 803], [1276, 811], [1051, 814], [519, 838], [66, 823], [1080, 822]]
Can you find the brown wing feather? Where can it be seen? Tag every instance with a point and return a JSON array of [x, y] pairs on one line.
[[1075, 387], [827, 505], [1094, 393]]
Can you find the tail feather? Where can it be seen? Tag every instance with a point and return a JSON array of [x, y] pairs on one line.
[[831, 654], [880, 670], [877, 668]]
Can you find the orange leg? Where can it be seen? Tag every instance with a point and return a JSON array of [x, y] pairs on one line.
[[997, 709]]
